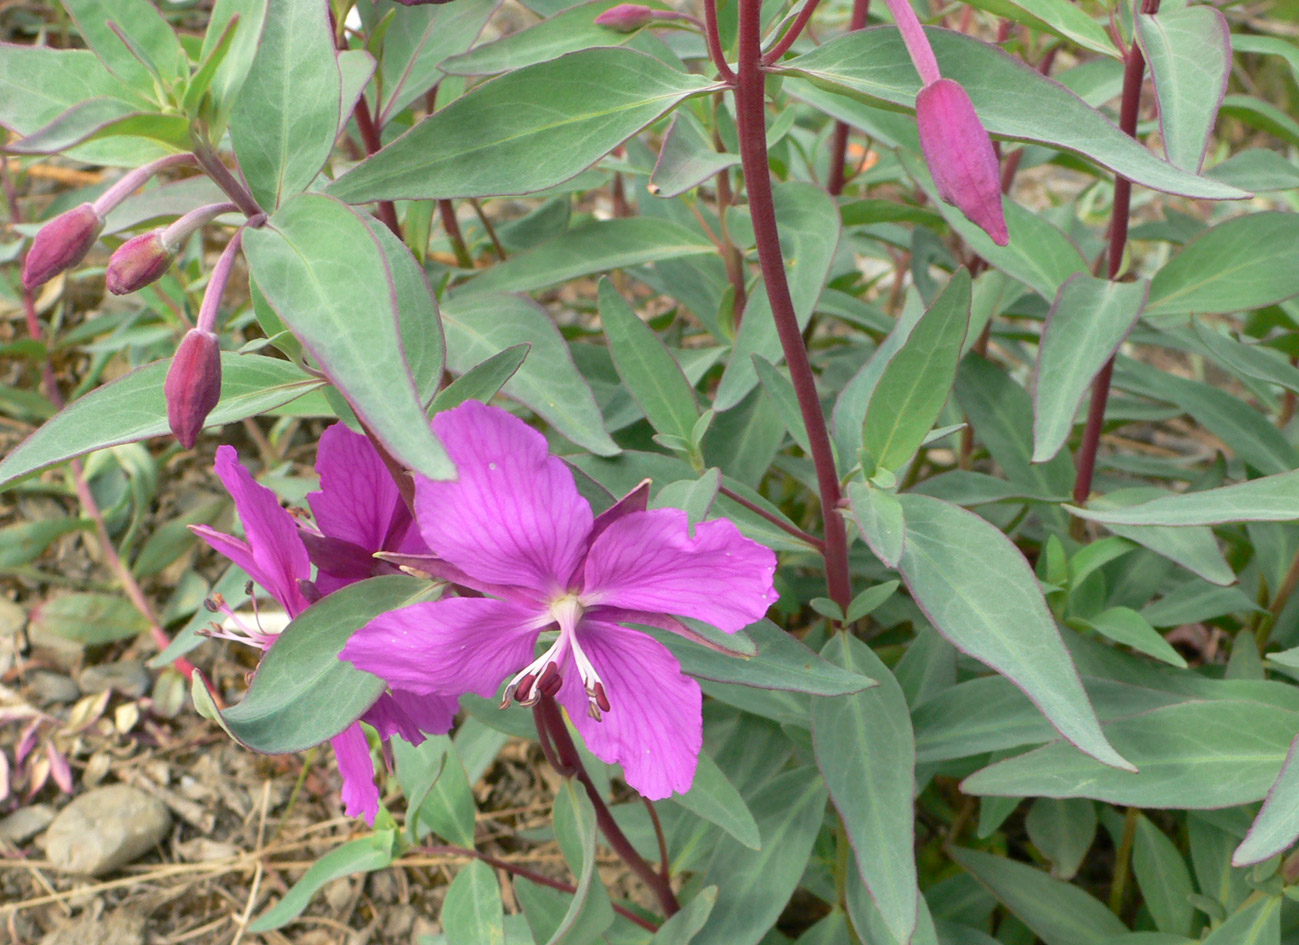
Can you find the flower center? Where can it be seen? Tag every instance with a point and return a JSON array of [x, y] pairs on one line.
[[544, 675]]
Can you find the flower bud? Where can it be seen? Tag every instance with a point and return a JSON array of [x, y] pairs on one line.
[[960, 156], [625, 17], [193, 384], [138, 262], [61, 244]]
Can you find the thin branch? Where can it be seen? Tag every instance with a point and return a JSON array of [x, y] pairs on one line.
[[715, 43], [795, 30], [784, 526]]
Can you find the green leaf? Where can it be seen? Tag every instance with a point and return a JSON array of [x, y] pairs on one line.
[[1060, 914], [879, 518], [1195, 755], [780, 662], [979, 592], [599, 246], [417, 315], [1258, 923], [1189, 52], [1013, 101], [715, 799], [789, 809], [144, 26], [1269, 499], [1124, 625], [525, 131], [548, 382], [865, 603], [1085, 327], [682, 928], [780, 391], [285, 117], [472, 912], [101, 117], [1062, 831], [419, 39], [1055, 16], [1163, 877], [652, 375], [809, 237], [1237, 265], [233, 70], [302, 693], [433, 778], [25, 542], [362, 855], [482, 381], [1277, 825], [865, 749], [590, 912], [133, 408], [89, 618], [568, 31], [917, 379], [687, 157], [326, 276]]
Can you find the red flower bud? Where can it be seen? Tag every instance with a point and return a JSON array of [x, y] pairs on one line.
[[193, 384], [61, 244], [625, 17], [960, 156], [138, 262]]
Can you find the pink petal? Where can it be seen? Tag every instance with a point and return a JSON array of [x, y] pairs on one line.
[[360, 794], [960, 156], [452, 646], [412, 715], [358, 500], [653, 727], [514, 515], [273, 554], [648, 561]]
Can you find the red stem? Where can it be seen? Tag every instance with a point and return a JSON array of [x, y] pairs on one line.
[[715, 43], [795, 30], [387, 210], [752, 119], [1133, 71], [839, 147]]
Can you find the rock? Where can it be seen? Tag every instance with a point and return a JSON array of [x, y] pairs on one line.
[[50, 688], [26, 822], [122, 926], [106, 829], [129, 678]]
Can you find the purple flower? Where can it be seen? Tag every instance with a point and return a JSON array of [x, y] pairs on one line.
[[960, 156], [61, 244], [193, 384], [138, 262], [514, 527], [274, 555]]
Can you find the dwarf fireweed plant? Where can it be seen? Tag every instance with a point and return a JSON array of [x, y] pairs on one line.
[[852, 446]]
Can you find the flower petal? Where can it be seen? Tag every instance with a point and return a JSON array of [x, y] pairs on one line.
[[648, 561], [514, 515], [360, 794], [452, 646], [412, 715], [358, 500], [653, 728], [273, 554]]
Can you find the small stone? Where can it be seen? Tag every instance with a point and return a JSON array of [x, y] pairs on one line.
[[26, 822], [106, 829], [129, 678], [50, 688], [122, 926]]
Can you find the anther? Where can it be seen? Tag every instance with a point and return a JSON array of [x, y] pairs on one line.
[[550, 680]]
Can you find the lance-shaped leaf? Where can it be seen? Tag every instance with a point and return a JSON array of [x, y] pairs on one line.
[[1087, 322], [362, 855], [472, 912], [323, 271], [525, 131], [285, 117], [1013, 100], [979, 592], [687, 157], [915, 383], [865, 749], [567, 31], [302, 692], [100, 117], [419, 39], [589, 913], [1189, 52], [1060, 17], [1269, 499], [150, 45], [1276, 827], [133, 408], [878, 515]]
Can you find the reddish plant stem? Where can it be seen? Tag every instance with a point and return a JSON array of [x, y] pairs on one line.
[[386, 209], [715, 43], [230, 185], [791, 35], [664, 863], [839, 146], [1133, 71], [514, 869], [776, 520], [751, 113], [488, 228], [452, 227], [562, 754]]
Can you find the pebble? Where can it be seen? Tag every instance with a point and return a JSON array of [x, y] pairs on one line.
[[105, 829], [51, 688], [26, 822], [129, 678]]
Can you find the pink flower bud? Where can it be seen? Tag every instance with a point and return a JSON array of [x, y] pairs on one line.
[[61, 244], [193, 384], [138, 262], [960, 156], [625, 17]]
